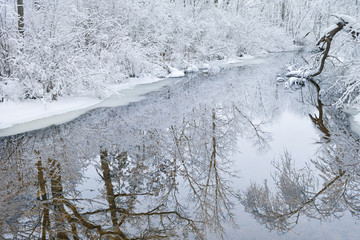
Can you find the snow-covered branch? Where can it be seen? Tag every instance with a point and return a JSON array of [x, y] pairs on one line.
[[296, 78]]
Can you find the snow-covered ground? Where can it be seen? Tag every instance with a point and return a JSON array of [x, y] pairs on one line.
[[19, 117]]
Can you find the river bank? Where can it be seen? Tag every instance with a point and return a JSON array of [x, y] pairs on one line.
[[31, 114]]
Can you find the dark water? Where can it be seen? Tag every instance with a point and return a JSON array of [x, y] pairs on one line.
[[231, 154]]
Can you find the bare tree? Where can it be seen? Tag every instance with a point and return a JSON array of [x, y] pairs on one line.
[[20, 10]]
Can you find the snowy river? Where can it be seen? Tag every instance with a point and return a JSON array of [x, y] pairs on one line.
[[230, 154]]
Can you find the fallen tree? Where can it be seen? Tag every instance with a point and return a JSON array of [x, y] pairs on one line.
[[296, 78]]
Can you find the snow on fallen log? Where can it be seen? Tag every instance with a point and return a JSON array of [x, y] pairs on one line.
[[301, 73], [295, 83]]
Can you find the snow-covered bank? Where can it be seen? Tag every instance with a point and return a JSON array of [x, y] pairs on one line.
[[354, 119], [19, 117], [104, 56], [20, 112], [27, 116]]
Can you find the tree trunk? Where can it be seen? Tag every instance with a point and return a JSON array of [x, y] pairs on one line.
[[110, 195], [42, 195], [283, 13], [20, 11]]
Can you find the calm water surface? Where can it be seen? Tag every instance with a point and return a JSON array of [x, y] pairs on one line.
[[231, 154]]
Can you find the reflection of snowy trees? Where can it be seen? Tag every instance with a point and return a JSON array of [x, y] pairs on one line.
[[164, 176], [202, 148], [41, 186], [140, 187], [338, 161], [297, 191], [297, 195]]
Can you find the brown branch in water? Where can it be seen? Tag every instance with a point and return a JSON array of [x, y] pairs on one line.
[[297, 211], [42, 195], [87, 224], [319, 120]]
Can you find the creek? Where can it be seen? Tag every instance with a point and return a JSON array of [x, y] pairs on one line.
[[189, 159]]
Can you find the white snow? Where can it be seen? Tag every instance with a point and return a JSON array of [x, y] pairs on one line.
[[301, 73], [354, 119], [190, 68], [355, 125], [175, 73], [351, 23], [14, 113], [329, 29], [204, 66]]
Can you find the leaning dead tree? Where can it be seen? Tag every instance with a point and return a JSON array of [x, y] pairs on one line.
[[296, 78]]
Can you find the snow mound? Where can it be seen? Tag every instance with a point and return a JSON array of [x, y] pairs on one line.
[[175, 73]]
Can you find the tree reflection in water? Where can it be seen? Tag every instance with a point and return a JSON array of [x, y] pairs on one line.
[[297, 191], [159, 177], [164, 170]]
